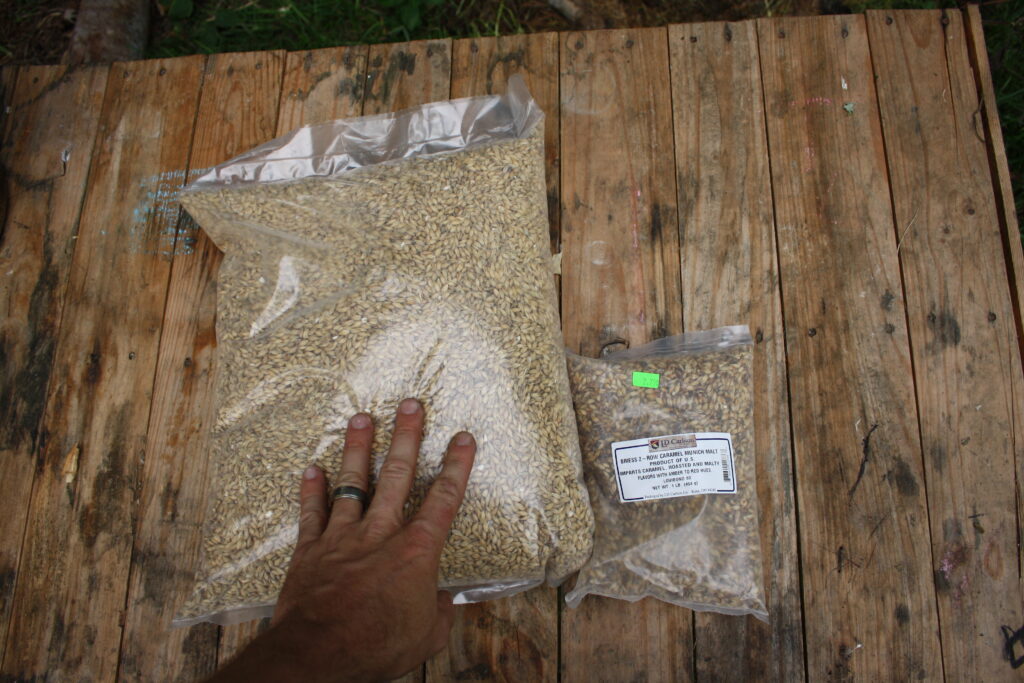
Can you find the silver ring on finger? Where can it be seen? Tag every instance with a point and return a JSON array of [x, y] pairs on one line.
[[353, 492]]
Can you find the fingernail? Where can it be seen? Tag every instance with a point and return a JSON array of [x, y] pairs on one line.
[[360, 421], [311, 472], [463, 439], [409, 406]]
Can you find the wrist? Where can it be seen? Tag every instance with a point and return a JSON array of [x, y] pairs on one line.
[[286, 651]]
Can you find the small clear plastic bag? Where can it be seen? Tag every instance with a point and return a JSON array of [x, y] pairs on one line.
[[667, 436]]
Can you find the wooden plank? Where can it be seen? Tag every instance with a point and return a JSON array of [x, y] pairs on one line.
[[322, 85], [76, 555], [964, 339], [513, 639], [482, 66], [237, 111], [319, 85], [48, 139], [1005, 206], [620, 284], [401, 75], [730, 276], [869, 603], [1006, 209]]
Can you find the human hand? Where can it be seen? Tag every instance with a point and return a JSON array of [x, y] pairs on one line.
[[360, 600]]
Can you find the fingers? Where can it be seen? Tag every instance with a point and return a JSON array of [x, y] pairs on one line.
[[312, 506], [355, 467], [445, 496], [396, 474]]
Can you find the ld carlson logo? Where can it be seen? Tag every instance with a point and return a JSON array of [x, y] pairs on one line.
[[667, 443]]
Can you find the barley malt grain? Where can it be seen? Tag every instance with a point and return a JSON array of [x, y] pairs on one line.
[[429, 277], [700, 551]]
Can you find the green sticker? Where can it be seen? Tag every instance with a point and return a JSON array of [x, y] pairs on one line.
[[650, 380]]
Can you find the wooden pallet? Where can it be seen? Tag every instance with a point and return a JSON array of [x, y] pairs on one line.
[[837, 183]]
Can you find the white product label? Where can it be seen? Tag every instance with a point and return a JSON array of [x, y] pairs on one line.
[[674, 465]]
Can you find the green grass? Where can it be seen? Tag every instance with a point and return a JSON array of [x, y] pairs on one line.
[[189, 27], [1004, 36]]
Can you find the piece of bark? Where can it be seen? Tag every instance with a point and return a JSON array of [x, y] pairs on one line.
[[109, 31]]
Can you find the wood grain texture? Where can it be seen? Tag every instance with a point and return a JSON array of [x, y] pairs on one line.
[[401, 75], [69, 601], [1005, 205], [511, 639], [620, 266], [620, 285], [322, 85], [516, 638], [482, 66], [53, 115], [237, 111], [1007, 219], [867, 569], [964, 339], [730, 276], [612, 641]]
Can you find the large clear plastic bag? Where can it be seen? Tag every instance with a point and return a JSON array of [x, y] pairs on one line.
[[667, 435], [369, 260]]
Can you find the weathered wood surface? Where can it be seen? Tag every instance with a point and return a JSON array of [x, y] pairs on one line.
[[516, 638], [730, 276], [993, 134], [403, 75], [70, 594], [620, 286], [963, 337], [869, 599], [838, 184], [237, 110], [54, 112]]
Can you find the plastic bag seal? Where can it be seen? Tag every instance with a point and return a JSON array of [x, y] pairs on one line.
[[335, 147]]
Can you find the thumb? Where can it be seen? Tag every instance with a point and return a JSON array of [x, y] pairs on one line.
[[443, 623]]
